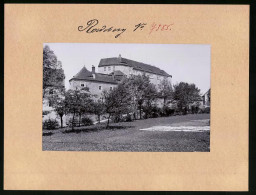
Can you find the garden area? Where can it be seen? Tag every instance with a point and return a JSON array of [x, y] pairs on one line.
[[139, 135]]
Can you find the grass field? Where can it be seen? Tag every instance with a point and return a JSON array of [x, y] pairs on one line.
[[128, 136]]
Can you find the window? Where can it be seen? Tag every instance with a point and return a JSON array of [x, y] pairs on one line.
[[51, 91], [110, 88], [109, 68], [99, 87], [104, 68], [82, 85]]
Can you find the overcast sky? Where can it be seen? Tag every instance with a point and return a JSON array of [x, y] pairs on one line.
[[185, 62]]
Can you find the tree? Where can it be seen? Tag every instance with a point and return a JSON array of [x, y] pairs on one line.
[[185, 94], [78, 102], [149, 97], [116, 101], [59, 105], [165, 90], [140, 89], [98, 108], [53, 74]]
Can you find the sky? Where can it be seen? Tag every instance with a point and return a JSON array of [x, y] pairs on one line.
[[189, 63]]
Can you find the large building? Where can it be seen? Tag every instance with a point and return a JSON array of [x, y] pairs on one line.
[[111, 71]]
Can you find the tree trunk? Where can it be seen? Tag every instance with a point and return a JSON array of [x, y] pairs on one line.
[[134, 116], [79, 122], [99, 119], [108, 120], [73, 120], [164, 101], [61, 121]]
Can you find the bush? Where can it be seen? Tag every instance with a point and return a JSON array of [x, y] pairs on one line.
[[50, 124], [152, 112], [167, 111], [75, 122], [156, 112], [116, 118], [207, 110], [86, 121], [128, 118]]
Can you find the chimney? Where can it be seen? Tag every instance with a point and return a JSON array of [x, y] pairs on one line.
[[93, 71]]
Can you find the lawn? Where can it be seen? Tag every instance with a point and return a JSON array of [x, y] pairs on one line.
[[128, 136]]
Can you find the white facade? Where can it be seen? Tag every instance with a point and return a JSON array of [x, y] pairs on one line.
[[109, 69], [154, 78], [96, 88]]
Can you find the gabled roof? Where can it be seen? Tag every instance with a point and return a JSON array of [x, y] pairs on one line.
[[87, 75], [136, 65]]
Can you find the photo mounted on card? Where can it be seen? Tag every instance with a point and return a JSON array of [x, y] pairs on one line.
[[114, 101]]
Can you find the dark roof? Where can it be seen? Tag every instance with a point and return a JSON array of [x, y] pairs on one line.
[[136, 65], [85, 74], [117, 73]]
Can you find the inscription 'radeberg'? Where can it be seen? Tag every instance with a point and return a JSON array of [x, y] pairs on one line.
[[92, 27]]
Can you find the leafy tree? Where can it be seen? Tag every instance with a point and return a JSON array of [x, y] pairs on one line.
[[78, 102], [149, 97], [165, 90], [53, 74], [140, 89], [59, 105], [98, 108], [185, 94], [116, 101]]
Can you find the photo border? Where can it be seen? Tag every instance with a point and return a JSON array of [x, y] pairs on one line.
[[252, 82]]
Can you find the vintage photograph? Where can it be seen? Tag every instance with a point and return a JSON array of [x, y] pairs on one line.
[[126, 97]]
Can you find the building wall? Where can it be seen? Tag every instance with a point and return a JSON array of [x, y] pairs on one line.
[[154, 78], [92, 85], [206, 101], [108, 69]]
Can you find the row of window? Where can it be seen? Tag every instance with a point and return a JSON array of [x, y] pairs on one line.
[[105, 68], [148, 74], [100, 88]]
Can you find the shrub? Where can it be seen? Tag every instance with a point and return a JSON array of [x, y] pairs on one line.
[[167, 111], [128, 118], [207, 110], [75, 122], [156, 112], [86, 121], [50, 124], [204, 110], [152, 112]]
